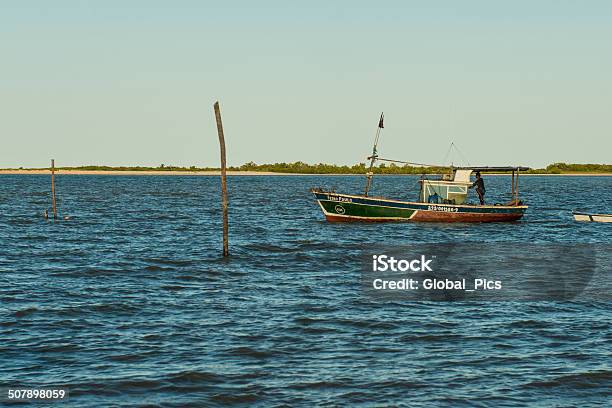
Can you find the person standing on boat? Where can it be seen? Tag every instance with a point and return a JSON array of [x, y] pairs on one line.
[[480, 188]]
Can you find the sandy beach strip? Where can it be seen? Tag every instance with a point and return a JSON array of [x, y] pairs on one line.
[[142, 173], [231, 173]]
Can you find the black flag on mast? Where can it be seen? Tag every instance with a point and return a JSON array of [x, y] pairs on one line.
[[380, 122]]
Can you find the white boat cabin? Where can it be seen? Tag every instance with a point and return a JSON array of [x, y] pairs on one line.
[[451, 189]]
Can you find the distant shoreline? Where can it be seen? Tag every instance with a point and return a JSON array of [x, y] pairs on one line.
[[305, 169], [238, 173]]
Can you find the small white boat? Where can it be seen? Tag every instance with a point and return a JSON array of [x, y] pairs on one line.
[[581, 216]]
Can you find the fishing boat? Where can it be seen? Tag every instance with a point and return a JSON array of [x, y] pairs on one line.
[[440, 200], [582, 216]]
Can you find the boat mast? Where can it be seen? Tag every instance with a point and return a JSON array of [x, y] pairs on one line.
[[372, 158]]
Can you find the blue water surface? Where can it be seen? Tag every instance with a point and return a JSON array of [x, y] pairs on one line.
[[129, 303]]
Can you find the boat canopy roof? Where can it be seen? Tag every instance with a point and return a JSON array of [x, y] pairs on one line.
[[472, 168], [493, 168]]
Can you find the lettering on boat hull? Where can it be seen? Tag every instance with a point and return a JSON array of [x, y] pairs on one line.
[[339, 198], [441, 208]]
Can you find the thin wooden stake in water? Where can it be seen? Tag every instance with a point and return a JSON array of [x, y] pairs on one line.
[[223, 179], [518, 172], [53, 189]]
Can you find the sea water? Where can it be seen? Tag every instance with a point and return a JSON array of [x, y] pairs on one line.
[[130, 303]]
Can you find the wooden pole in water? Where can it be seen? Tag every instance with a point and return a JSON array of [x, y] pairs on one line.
[[513, 195], [53, 189], [518, 172], [223, 179]]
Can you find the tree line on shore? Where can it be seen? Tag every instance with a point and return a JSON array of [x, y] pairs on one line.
[[360, 168]]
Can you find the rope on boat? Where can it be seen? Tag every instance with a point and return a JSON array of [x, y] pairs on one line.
[[450, 148], [405, 162]]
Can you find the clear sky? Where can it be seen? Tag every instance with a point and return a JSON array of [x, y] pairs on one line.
[[133, 82]]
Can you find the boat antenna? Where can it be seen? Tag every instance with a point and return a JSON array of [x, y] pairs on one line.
[[374, 156]]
